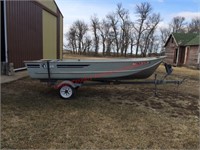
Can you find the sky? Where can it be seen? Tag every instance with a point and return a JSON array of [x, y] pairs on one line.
[[73, 10]]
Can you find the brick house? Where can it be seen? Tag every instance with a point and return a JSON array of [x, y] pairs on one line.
[[182, 49]]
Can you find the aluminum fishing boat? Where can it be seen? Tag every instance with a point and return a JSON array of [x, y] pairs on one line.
[[93, 69], [69, 75]]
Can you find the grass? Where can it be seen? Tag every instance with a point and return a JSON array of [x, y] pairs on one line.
[[183, 72], [101, 117]]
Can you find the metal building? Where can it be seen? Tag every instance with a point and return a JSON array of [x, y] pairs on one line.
[[30, 30]]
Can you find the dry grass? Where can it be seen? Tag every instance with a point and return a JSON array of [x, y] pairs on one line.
[[103, 117], [183, 72]]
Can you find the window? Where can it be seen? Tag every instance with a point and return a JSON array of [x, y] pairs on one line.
[[172, 40]]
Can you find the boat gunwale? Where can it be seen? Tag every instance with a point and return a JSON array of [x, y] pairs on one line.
[[122, 60]]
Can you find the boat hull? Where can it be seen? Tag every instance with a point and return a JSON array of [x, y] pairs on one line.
[[112, 69]]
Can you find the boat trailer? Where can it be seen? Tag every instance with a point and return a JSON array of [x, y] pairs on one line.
[[68, 88]]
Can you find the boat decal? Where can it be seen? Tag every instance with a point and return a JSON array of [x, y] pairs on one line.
[[71, 66], [33, 65], [138, 64], [45, 66]]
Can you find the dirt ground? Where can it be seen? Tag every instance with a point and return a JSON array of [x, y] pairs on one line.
[[102, 117]]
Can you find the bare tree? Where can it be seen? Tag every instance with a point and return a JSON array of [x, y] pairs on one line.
[[133, 37], [87, 44], [164, 34], [95, 28], [178, 24], [109, 42], [194, 25], [151, 24], [127, 37], [81, 29], [143, 10], [71, 38], [154, 44], [125, 26], [116, 32], [104, 29], [113, 21], [132, 41]]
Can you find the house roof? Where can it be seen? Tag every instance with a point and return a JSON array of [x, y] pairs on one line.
[[194, 41], [185, 39]]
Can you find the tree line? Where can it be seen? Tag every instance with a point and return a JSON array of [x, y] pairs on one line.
[[118, 35]]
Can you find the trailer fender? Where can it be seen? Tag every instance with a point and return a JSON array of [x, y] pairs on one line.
[[74, 85]]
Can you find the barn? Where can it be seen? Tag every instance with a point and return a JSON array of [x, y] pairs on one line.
[[182, 49], [30, 30]]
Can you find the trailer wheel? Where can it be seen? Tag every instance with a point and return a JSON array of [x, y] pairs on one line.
[[66, 92]]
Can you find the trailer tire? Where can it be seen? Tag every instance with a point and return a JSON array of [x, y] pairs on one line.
[[66, 92]]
